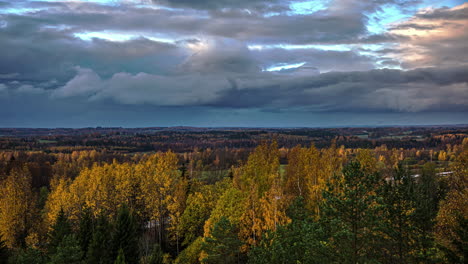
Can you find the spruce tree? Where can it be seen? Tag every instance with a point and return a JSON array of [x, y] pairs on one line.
[[99, 247], [85, 233], [68, 251], [60, 229], [125, 236]]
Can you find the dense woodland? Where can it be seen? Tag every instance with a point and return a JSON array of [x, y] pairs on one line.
[[263, 202]]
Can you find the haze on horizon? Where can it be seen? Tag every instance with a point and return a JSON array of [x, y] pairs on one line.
[[257, 63]]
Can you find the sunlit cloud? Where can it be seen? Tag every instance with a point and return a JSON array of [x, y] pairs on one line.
[[119, 36], [283, 66]]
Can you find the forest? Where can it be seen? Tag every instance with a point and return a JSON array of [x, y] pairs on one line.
[[346, 199]]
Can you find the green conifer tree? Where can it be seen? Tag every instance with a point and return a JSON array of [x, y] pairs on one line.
[[99, 247], [223, 246], [399, 206], [427, 200], [351, 214], [68, 251], [120, 257], [85, 233], [125, 236], [300, 241], [60, 229]]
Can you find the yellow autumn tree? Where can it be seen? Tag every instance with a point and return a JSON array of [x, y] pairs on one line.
[[259, 179], [57, 199], [17, 207], [454, 207], [159, 181], [368, 162], [309, 170]]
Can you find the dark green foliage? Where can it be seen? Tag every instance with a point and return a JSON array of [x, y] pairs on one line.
[[157, 256], [459, 254], [28, 256], [99, 247], [398, 194], [426, 210], [4, 252], [120, 257], [85, 233], [352, 216], [125, 236], [43, 194], [67, 252], [223, 246], [301, 241], [191, 254], [60, 229]]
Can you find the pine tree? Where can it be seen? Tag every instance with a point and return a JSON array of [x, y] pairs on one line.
[[351, 214], [60, 229], [125, 236], [223, 246], [398, 194], [426, 196]]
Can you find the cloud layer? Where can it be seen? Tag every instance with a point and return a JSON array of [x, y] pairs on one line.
[[279, 56]]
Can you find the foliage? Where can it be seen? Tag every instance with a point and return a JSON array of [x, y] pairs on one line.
[[4, 252], [451, 221], [301, 241], [223, 245], [99, 247], [58, 232], [191, 254], [120, 257], [17, 207], [276, 205], [28, 256], [352, 215], [398, 196], [125, 236], [85, 232], [68, 251]]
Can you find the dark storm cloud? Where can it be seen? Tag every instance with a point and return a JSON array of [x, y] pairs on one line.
[[381, 90], [49, 53], [376, 90]]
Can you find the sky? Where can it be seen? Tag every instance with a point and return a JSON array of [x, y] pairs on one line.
[[226, 63]]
